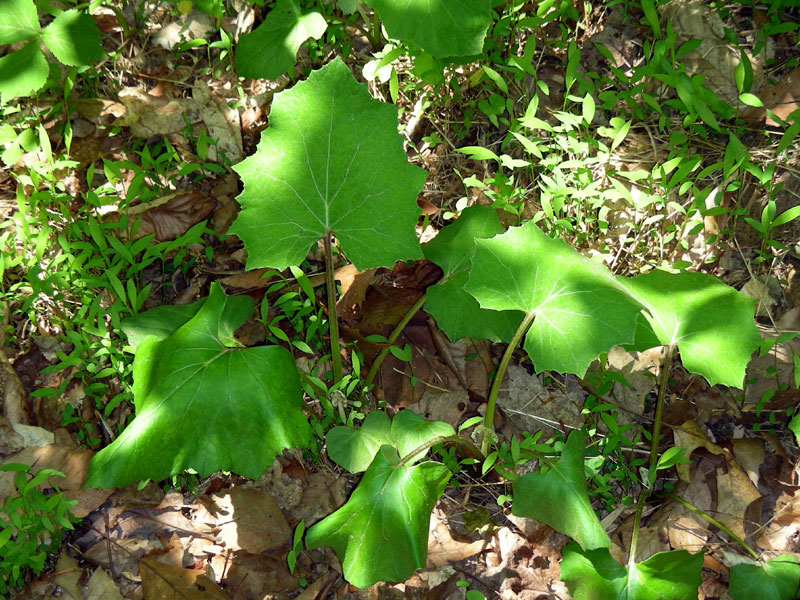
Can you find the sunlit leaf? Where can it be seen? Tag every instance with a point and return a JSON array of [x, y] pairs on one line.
[[441, 27], [560, 497], [595, 575], [23, 72], [271, 49], [580, 309], [330, 161], [457, 313], [381, 533], [18, 21], [777, 579], [710, 323], [74, 39], [246, 402]]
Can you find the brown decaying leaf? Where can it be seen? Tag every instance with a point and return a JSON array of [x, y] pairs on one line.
[[782, 98], [249, 519], [444, 549], [165, 582], [73, 462], [167, 217]]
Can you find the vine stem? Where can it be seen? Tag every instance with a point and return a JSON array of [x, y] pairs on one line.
[[488, 420], [376, 364], [663, 380], [333, 319]]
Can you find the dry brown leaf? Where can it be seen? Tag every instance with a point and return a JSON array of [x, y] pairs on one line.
[[167, 217], [443, 549], [250, 520], [73, 462], [783, 99], [102, 587], [165, 582], [354, 289], [690, 437], [738, 500]]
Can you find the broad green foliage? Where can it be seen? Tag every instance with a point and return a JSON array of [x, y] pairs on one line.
[[778, 579], [18, 21], [709, 322], [270, 50], [330, 161], [160, 321], [381, 533], [441, 27], [595, 575], [23, 72], [354, 449], [580, 309], [457, 313], [72, 37], [560, 498], [205, 405]]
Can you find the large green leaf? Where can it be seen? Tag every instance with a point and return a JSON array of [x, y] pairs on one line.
[[560, 497], [441, 27], [23, 72], [205, 405], [709, 322], [18, 21], [271, 49], [595, 575], [354, 449], [456, 312], [74, 39], [161, 321], [580, 309], [381, 533], [331, 160], [778, 579]]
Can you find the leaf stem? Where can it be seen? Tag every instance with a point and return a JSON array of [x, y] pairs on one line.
[[488, 420], [438, 440], [333, 319], [376, 364], [715, 523], [663, 380]]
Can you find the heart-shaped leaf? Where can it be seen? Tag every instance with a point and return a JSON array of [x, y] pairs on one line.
[[560, 497], [441, 27], [271, 49], [709, 322], [205, 405], [381, 533], [456, 312], [18, 21], [330, 161], [595, 575], [580, 309], [778, 579], [74, 39], [354, 449]]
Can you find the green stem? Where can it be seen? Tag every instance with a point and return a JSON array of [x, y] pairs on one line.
[[438, 440], [488, 420], [654, 440], [714, 522], [376, 364], [333, 320]]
